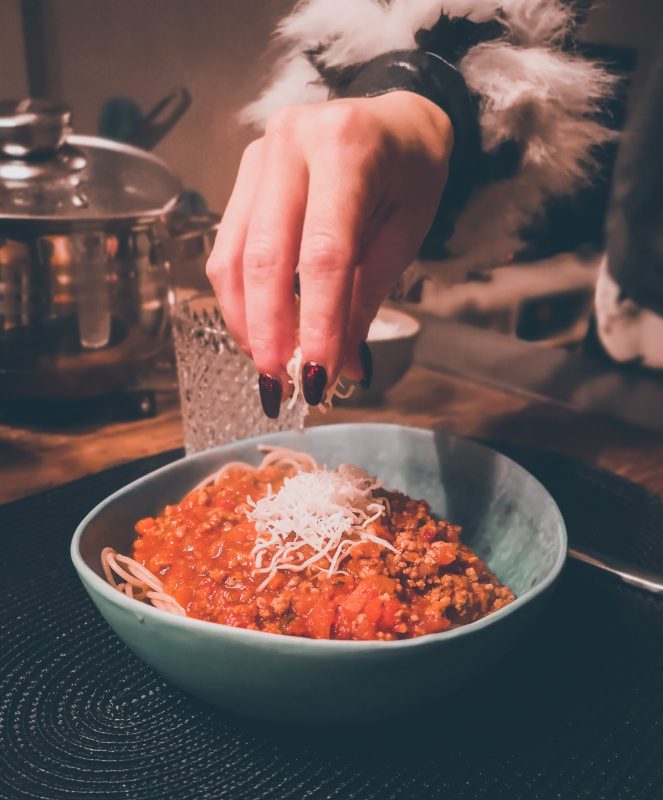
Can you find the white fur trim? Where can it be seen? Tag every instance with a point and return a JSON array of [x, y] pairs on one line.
[[542, 99], [530, 91], [626, 330], [297, 80]]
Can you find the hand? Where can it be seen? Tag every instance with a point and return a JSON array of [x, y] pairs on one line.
[[345, 192]]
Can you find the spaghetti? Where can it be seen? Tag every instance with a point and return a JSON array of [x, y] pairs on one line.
[[291, 547], [141, 584]]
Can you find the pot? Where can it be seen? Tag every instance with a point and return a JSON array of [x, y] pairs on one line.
[[83, 264], [190, 241]]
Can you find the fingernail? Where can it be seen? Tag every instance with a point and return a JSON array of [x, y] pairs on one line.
[[366, 358], [270, 394], [314, 381]]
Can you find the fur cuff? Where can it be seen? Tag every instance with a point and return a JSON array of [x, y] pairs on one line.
[[530, 91]]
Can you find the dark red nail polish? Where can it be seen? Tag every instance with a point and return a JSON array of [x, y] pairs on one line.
[[366, 358], [314, 381], [270, 394]]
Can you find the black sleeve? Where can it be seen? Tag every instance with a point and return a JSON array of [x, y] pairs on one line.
[[635, 217], [430, 76]]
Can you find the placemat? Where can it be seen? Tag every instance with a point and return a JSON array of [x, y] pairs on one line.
[[574, 711]]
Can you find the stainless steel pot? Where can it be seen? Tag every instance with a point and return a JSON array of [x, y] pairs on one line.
[[190, 241], [83, 268]]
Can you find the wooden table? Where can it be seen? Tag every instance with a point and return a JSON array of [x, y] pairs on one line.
[[33, 458]]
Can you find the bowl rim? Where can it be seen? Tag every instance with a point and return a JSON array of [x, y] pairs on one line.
[[90, 578], [398, 312]]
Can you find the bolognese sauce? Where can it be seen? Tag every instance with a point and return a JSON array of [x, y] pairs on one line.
[[410, 575]]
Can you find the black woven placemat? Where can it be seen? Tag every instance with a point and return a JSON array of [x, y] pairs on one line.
[[575, 711]]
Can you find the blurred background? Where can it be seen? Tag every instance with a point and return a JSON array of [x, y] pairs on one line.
[[141, 49], [526, 326], [218, 49]]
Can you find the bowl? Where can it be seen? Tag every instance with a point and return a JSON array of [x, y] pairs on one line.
[[392, 338], [507, 516]]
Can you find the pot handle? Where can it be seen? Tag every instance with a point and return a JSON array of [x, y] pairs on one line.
[[158, 122]]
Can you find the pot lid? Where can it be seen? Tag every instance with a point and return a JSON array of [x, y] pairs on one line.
[[48, 174]]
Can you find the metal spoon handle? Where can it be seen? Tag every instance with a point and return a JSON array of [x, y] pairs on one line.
[[635, 576]]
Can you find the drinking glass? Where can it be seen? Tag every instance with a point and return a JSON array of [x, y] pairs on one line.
[[218, 384]]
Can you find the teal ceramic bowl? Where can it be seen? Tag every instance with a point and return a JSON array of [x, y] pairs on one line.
[[507, 516]]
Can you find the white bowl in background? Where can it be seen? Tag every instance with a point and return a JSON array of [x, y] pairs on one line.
[[391, 338]]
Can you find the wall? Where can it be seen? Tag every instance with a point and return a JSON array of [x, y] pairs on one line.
[[13, 81], [143, 49]]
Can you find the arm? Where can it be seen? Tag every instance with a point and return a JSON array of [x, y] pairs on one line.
[[367, 117]]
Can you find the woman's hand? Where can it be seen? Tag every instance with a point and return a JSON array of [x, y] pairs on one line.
[[344, 192]]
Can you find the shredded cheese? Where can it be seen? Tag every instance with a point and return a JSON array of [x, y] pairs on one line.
[[325, 511], [294, 370]]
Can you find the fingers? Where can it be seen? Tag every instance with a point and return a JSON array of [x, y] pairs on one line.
[[339, 204], [272, 248], [394, 247], [225, 264], [328, 188]]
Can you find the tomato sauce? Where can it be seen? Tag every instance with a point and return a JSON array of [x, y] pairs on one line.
[[201, 549]]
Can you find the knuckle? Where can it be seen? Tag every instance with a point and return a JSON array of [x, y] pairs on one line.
[[340, 119], [282, 121], [259, 258], [323, 330], [325, 253], [344, 125]]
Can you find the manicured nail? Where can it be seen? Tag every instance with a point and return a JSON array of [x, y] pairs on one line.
[[270, 394], [366, 358], [314, 381]]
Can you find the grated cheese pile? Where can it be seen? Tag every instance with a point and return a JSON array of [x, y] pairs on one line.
[[328, 511]]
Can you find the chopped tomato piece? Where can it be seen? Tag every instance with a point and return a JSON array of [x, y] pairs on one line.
[[277, 581], [389, 610], [371, 586], [428, 533], [445, 553], [239, 617], [363, 629], [435, 621], [183, 595], [373, 610], [297, 627], [144, 525], [203, 550], [302, 603], [320, 619]]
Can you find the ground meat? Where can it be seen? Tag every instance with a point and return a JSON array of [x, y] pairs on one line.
[[201, 550]]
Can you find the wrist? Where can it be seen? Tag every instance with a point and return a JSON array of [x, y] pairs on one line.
[[437, 90], [417, 116]]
